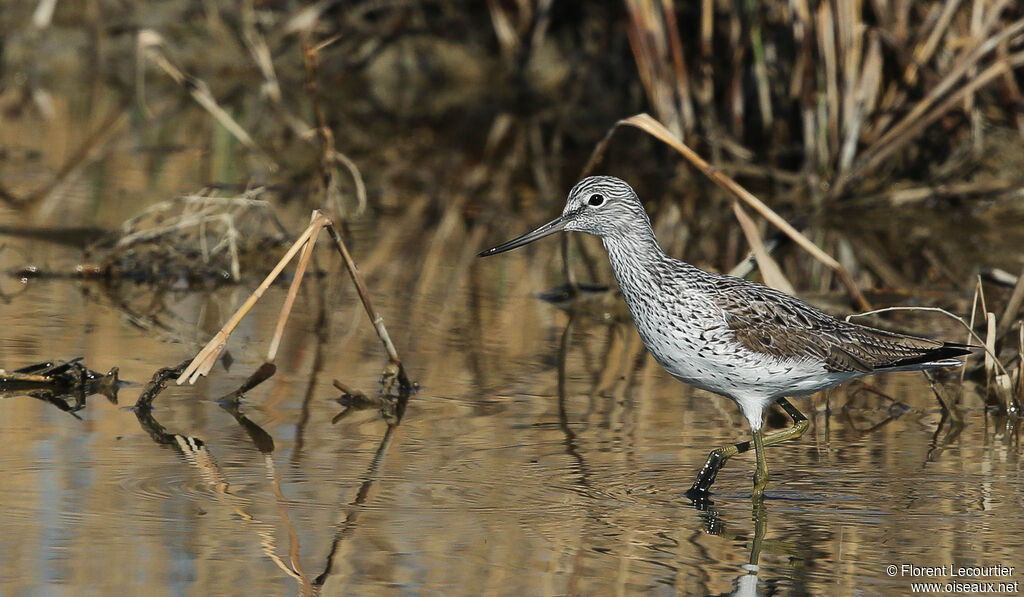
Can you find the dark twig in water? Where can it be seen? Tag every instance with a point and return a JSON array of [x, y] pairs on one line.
[[391, 401], [330, 157], [64, 384], [262, 374], [157, 384]]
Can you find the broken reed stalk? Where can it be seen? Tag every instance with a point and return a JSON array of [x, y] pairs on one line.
[[207, 357], [1020, 364], [649, 125], [364, 296], [997, 381], [293, 290]]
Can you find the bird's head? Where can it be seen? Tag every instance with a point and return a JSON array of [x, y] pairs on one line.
[[598, 205]]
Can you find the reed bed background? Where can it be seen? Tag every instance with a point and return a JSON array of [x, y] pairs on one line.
[[887, 133]]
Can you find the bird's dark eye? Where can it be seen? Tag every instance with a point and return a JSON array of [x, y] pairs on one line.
[[596, 200]]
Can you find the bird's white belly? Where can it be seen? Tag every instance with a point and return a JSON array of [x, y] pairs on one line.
[[706, 356]]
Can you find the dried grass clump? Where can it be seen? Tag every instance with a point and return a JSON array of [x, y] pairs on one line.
[[195, 238]]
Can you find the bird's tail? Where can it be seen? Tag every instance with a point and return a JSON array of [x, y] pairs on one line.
[[941, 356]]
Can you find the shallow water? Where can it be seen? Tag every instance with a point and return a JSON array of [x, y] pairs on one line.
[[542, 454], [530, 461]]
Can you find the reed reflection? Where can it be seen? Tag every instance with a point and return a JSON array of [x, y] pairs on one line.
[[392, 403], [196, 453]]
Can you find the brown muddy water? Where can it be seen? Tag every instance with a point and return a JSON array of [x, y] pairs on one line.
[[541, 455]]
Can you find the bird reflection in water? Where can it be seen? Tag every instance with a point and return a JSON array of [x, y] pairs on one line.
[[711, 522]]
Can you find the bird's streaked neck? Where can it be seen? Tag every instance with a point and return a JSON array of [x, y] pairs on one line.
[[632, 246]]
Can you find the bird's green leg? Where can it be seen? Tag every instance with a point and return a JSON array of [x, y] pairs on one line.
[[761, 472], [716, 460]]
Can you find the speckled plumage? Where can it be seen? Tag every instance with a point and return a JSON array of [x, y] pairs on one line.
[[728, 335]]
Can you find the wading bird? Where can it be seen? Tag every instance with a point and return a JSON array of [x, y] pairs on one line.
[[737, 338]]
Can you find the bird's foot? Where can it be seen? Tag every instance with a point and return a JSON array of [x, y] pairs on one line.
[[698, 492]]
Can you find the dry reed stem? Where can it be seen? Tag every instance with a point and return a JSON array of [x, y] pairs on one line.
[[853, 108], [364, 296], [923, 52], [653, 36], [1020, 364], [964, 64], [260, 53], [357, 178], [770, 270], [998, 378], [761, 79], [970, 106], [923, 114], [1012, 306], [1000, 382], [43, 14], [689, 121], [990, 343], [206, 358], [828, 46], [504, 29], [863, 97], [293, 290], [979, 292], [149, 43], [911, 195], [654, 128], [875, 154]]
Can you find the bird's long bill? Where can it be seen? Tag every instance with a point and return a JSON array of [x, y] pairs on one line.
[[551, 227]]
